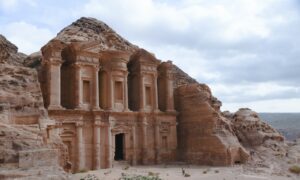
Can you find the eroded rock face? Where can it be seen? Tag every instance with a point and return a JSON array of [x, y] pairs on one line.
[[20, 90], [252, 131], [92, 30], [24, 123], [265, 144], [205, 137], [9, 53]]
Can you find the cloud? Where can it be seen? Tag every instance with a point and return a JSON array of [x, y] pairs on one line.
[[274, 105], [30, 37], [12, 5]]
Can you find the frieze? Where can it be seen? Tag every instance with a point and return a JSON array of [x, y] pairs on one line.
[[149, 68]]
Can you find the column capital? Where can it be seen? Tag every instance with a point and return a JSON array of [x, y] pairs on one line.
[[79, 124], [76, 65], [53, 61], [98, 123], [96, 67]]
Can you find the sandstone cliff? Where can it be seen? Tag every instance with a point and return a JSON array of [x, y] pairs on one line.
[[24, 142], [204, 135], [9, 53]]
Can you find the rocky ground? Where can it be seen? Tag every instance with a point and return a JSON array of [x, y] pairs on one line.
[[171, 172]]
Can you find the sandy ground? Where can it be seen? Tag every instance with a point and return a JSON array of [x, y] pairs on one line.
[[172, 172]]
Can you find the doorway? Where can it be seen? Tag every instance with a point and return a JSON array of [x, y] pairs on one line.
[[119, 147]]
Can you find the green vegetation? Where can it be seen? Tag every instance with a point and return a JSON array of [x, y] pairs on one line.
[[151, 176], [295, 169]]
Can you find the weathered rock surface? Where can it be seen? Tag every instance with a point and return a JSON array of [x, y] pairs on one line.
[[9, 53], [266, 145], [20, 90], [205, 137], [94, 31], [23, 123], [252, 131]]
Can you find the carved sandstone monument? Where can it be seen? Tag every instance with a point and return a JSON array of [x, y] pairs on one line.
[[103, 99], [114, 101]]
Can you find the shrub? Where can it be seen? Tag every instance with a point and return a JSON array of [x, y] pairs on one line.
[[295, 169]]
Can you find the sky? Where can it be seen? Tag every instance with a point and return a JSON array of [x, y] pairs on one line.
[[247, 51]]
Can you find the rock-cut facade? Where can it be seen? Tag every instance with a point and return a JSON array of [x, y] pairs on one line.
[[112, 101]]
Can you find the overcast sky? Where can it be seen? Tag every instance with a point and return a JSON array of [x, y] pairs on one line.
[[247, 51]]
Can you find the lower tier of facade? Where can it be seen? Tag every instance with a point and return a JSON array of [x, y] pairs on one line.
[[97, 139]]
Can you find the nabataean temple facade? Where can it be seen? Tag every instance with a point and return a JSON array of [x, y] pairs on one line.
[[109, 105], [113, 101]]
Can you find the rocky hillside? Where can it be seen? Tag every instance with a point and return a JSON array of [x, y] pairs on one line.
[[268, 149], [24, 144], [9, 53]]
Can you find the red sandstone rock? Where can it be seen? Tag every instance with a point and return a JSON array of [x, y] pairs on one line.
[[9, 53], [24, 124], [204, 136]]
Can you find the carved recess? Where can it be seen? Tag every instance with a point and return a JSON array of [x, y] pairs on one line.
[[165, 127]]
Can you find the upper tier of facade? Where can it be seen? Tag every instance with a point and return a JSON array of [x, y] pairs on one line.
[[79, 76]]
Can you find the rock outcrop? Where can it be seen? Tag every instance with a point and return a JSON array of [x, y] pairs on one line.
[[9, 53], [204, 136], [265, 144], [25, 141], [252, 131], [94, 31]]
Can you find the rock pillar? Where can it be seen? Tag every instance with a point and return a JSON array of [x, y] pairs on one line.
[[53, 79], [78, 87], [109, 147], [157, 142], [169, 93], [95, 97], [80, 147], [97, 146], [145, 140], [134, 145], [142, 92], [126, 92], [155, 94]]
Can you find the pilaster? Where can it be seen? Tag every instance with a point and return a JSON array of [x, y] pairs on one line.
[[54, 86], [80, 147], [95, 97], [97, 142]]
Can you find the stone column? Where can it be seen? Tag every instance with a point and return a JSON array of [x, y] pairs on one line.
[[157, 142], [78, 87], [126, 92], [134, 148], [80, 147], [54, 89], [145, 140], [142, 92], [97, 146], [110, 146], [95, 97], [110, 92], [155, 108], [169, 93]]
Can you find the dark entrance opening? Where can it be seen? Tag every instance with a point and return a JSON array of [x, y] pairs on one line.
[[119, 147]]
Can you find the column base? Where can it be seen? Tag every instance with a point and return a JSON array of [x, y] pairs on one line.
[[96, 109], [171, 111], [156, 110], [55, 107]]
